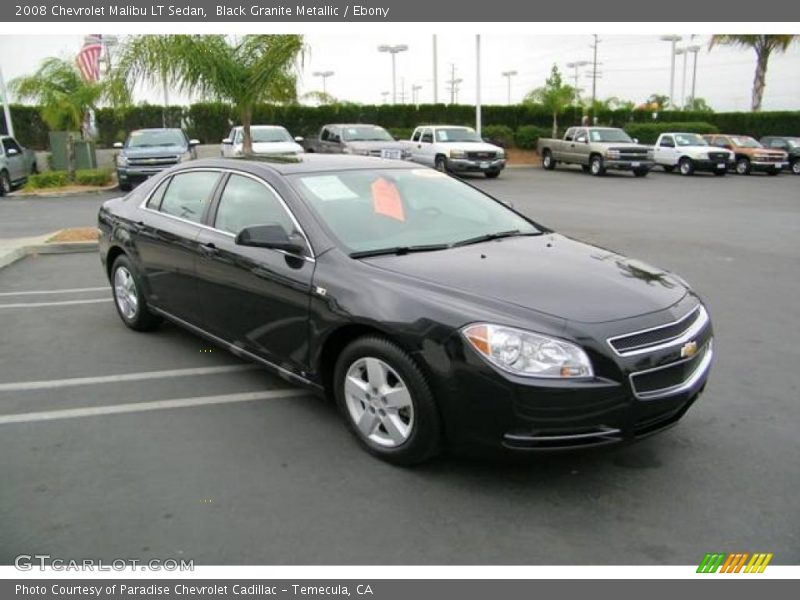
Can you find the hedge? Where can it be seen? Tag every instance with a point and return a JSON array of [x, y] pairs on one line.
[[55, 179], [647, 133], [527, 136], [210, 121], [501, 135]]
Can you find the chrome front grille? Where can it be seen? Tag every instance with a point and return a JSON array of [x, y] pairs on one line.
[[656, 338], [153, 161], [673, 378], [481, 155]]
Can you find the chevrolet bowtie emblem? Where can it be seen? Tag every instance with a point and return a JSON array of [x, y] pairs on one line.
[[689, 349]]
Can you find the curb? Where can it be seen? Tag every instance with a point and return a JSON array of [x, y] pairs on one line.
[[44, 194], [12, 254]]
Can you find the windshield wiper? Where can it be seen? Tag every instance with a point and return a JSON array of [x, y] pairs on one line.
[[488, 237], [399, 250]]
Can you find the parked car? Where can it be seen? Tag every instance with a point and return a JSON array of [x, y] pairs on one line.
[[455, 149], [268, 140], [435, 315], [690, 152], [790, 145], [16, 164], [358, 138], [150, 151], [596, 150], [750, 154]]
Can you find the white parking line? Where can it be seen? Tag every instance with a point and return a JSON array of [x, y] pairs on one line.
[[18, 386], [94, 411], [66, 291], [64, 303]]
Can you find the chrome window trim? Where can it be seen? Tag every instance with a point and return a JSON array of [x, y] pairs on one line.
[[143, 206], [696, 327], [687, 384]]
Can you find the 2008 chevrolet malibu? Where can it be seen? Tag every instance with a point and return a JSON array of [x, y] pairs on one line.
[[435, 315]]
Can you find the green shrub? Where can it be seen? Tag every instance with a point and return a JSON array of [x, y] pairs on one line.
[[401, 133], [501, 135], [647, 133], [48, 179], [95, 177], [527, 136]]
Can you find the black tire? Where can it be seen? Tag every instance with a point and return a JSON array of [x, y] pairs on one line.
[[34, 168], [142, 319], [5, 183], [548, 162], [424, 437], [720, 172], [668, 168], [795, 167], [125, 187], [585, 168], [773, 172], [596, 166], [441, 164], [743, 166], [492, 174], [640, 172], [686, 166]]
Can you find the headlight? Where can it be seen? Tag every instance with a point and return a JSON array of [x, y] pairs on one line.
[[458, 154], [122, 160], [501, 154], [612, 154], [184, 157], [527, 353]]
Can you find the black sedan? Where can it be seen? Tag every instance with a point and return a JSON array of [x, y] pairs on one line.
[[435, 315]]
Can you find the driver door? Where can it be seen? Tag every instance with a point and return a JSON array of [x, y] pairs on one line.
[[15, 159]]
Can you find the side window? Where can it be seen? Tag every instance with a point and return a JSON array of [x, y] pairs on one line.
[[325, 134], [427, 136], [569, 135], [778, 144], [667, 142], [416, 136], [246, 202], [580, 135], [238, 135], [335, 136], [188, 194], [10, 144], [154, 201]]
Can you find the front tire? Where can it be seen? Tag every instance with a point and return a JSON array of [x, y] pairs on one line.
[[386, 401], [743, 166], [640, 172], [547, 160], [596, 166], [441, 164], [128, 297], [796, 166], [492, 174], [686, 166]]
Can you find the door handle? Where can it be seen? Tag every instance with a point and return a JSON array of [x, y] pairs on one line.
[[138, 226], [209, 248]]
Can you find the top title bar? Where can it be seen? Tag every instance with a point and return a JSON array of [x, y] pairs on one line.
[[391, 11]]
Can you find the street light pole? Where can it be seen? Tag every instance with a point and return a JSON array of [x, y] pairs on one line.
[[674, 39], [435, 72], [324, 75], [6, 109], [694, 49], [684, 52], [393, 50], [508, 75], [577, 65], [478, 84], [415, 93]]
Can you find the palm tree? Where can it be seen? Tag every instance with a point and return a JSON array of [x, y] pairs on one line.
[[555, 96], [244, 71], [63, 95], [764, 45]]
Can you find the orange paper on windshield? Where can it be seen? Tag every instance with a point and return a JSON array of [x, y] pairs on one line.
[[386, 199]]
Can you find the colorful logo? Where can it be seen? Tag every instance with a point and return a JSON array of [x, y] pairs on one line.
[[714, 562]]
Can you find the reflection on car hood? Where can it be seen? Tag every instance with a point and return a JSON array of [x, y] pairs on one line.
[[154, 150], [549, 273], [276, 147]]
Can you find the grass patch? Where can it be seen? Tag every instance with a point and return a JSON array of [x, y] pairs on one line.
[[60, 179]]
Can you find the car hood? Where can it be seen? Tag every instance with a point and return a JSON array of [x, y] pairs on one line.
[[154, 151], [695, 149], [549, 273], [380, 145], [276, 148], [471, 146]]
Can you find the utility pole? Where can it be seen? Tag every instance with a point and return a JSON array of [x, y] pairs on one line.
[[508, 75], [594, 74], [453, 83], [6, 109], [478, 84], [435, 72], [673, 39]]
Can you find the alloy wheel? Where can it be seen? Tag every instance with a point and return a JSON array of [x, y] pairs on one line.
[[796, 167], [125, 293], [379, 402]]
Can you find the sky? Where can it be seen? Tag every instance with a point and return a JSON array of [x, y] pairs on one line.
[[632, 67]]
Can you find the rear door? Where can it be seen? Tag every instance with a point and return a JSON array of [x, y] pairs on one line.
[[426, 153], [166, 241], [255, 298]]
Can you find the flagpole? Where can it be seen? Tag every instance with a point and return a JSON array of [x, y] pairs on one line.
[[6, 109]]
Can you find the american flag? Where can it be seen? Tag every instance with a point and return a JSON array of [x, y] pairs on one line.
[[88, 59]]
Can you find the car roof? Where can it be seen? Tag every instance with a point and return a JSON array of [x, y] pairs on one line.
[[305, 163], [352, 125], [158, 129], [260, 127], [448, 126]]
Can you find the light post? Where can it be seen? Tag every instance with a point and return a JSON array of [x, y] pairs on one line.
[[673, 39], [575, 66], [384, 96], [415, 93], [694, 49], [324, 75], [6, 110], [394, 51], [508, 75], [478, 118], [683, 52]]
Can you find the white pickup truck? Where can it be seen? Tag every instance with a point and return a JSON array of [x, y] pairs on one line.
[[455, 149], [689, 152]]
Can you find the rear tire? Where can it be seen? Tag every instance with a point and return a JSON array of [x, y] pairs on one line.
[[743, 166], [668, 168], [386, 401], [125, 187], [129, 298], [686, 166], [547, 160], [596, 166], [5, 184]]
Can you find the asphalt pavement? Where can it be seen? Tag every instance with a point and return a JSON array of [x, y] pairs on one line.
[[123, 444]]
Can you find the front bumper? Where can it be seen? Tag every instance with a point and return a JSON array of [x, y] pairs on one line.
[[461, 165], [627, 165], [138, 174], [766, 166], [713, 165]]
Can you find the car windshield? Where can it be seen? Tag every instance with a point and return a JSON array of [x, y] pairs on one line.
[[456, 134], [365, 133], [269, 134], [405, 209], [744, 141], [609, 135], [157, 137], [689, 139]]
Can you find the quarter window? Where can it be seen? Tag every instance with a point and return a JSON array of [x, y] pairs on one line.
[[188, 194], [247, 202]]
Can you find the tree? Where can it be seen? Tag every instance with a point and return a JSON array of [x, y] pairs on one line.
[[320, 98], [555, 96], [698, 105], [764, 46], [657, 101], [244, 71]]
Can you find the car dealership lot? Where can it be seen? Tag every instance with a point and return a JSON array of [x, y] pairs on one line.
[[242, 469]]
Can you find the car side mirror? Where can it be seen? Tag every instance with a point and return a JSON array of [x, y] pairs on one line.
[[193, 143], [118, 145], [12, 152], [299, 139], [635, 140], [227, 141], [268, 236]]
